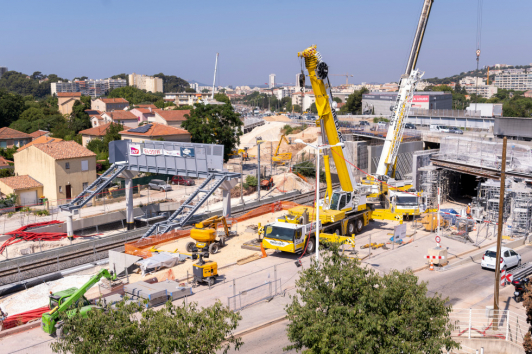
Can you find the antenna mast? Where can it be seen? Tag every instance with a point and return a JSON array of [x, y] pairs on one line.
[[214, 81]]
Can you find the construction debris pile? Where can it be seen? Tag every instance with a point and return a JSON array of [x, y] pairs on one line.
[[486, 154]]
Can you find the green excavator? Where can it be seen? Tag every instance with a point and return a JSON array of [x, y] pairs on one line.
[[68, 301]]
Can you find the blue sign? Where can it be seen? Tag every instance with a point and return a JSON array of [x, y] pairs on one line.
[[187, 152]]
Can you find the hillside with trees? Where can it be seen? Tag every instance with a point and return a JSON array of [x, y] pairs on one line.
[[172, 83], [28, 85]]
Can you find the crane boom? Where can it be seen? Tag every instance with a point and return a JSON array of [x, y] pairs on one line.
[[407, 87], [328, 119]]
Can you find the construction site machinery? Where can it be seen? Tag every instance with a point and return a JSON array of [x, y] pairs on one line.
[[204, 271], [69, 301], [281, 158], [207, 237]]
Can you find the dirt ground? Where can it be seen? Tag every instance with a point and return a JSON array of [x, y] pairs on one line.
[[280, 118], [229, 254]]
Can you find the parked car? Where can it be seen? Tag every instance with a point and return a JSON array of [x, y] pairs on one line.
[[382, 125], [159, 185], [179, 180], [363, 122], [410, 126], [456, 131], [509, 258], [439, 128]]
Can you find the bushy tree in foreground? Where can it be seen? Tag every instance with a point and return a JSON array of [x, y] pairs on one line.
[[131, 328], [341, 307]]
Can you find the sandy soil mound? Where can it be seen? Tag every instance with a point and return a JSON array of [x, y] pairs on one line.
[[280, 118]]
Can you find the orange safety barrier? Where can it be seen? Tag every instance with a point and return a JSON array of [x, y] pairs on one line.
[[141, 248]]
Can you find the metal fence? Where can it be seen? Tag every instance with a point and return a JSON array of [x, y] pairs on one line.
[[488, 323], [251, 296]]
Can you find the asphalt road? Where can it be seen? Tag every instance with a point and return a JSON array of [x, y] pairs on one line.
[[471, 286], [270, 340]]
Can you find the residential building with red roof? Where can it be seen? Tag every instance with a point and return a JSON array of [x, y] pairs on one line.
[[39, 133], [144, 114], [64, 168], [156, 131], [66, 100], [11, 137], [40, 140], [27, 189], [109, 104], [97, 132], [126, 118], [173, 118]]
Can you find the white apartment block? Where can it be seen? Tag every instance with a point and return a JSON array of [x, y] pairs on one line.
[[271, 81], [514, 79], [486, 91], [186, 98], [470, 80], [144, 82], [93, 88], [303, 100]]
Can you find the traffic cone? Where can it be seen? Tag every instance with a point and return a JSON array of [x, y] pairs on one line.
[[264, 255], [431, 265]]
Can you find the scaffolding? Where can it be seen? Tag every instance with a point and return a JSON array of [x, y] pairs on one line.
[[485, 154], [431, 178]]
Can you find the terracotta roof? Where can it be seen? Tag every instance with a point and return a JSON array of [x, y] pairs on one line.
[[100, 130], [4, 161], [69, 94], [20, 182], [152, 106], [144, 110], [114, 100], [157, 130], [8, 133], [93, 112], [38, 133], [173, 115], [40, 140], [64, 150], [125, 115]]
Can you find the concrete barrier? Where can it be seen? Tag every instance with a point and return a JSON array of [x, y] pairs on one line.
[[491, 346]]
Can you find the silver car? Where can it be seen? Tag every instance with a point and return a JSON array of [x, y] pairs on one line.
[[159, 185]]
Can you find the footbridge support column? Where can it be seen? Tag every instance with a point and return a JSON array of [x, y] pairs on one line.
[[128, 177], [226, 189]]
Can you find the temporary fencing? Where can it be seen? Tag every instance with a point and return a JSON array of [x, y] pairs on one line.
[[141, 247]]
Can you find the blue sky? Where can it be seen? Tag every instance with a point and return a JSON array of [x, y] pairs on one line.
[[370, 39]]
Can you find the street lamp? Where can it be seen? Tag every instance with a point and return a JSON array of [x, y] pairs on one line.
[[318, 148]]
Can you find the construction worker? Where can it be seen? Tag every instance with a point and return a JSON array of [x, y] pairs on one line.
[[468, 210]]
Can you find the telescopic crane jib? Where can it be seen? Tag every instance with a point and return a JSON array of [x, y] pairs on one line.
[[407, 87]]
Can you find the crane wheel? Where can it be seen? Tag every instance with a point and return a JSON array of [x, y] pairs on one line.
[[311, 245], [351, 228], [190, 246], [359, 224], [213, 248]]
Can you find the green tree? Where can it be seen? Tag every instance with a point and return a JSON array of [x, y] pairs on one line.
[[297, 108], [342, 307], [79, 119], [134, 329], [205, 91], [337, 99], [97, 146], [112, 133], [134, 95], [222, 97], [190, 90], [11, 107], [172, 83], [313, 108], [7, 153], [214, 124], [353, 104]]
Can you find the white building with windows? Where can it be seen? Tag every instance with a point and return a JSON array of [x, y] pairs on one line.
[[93, 88], [144, 82], [514, 79], [271, 81]]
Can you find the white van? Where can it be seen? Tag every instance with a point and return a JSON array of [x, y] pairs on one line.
[[439, 128]]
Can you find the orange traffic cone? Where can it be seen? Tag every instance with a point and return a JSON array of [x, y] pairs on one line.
[[264, 255], [431, 265]]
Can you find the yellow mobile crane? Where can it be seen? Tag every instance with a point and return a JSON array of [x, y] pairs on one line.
[[406, 203], [343, 212], [285, 156]]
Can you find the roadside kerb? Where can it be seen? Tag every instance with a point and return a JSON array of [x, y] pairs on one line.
[[21, 328]]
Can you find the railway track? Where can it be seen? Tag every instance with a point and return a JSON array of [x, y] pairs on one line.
[[303, 198]]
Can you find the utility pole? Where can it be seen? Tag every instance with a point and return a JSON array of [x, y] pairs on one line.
[[499, 238], [214, 81], [242, 178]]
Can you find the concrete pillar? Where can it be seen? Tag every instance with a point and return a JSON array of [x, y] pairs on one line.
[[129, 204], [70, 226], [226, 189], [128, 177]]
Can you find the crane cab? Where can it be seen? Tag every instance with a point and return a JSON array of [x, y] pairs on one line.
[[347, 201]]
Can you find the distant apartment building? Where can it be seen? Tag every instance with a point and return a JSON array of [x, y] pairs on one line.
[[477, 85], [109, 104], [271, 81], [195, 86], [185, 98], [93, 88], [3, 70], [304, 100], [470, 80], [514, 79], [144, 82]]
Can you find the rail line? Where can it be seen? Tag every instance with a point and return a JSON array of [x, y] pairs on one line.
[[302, 198]]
